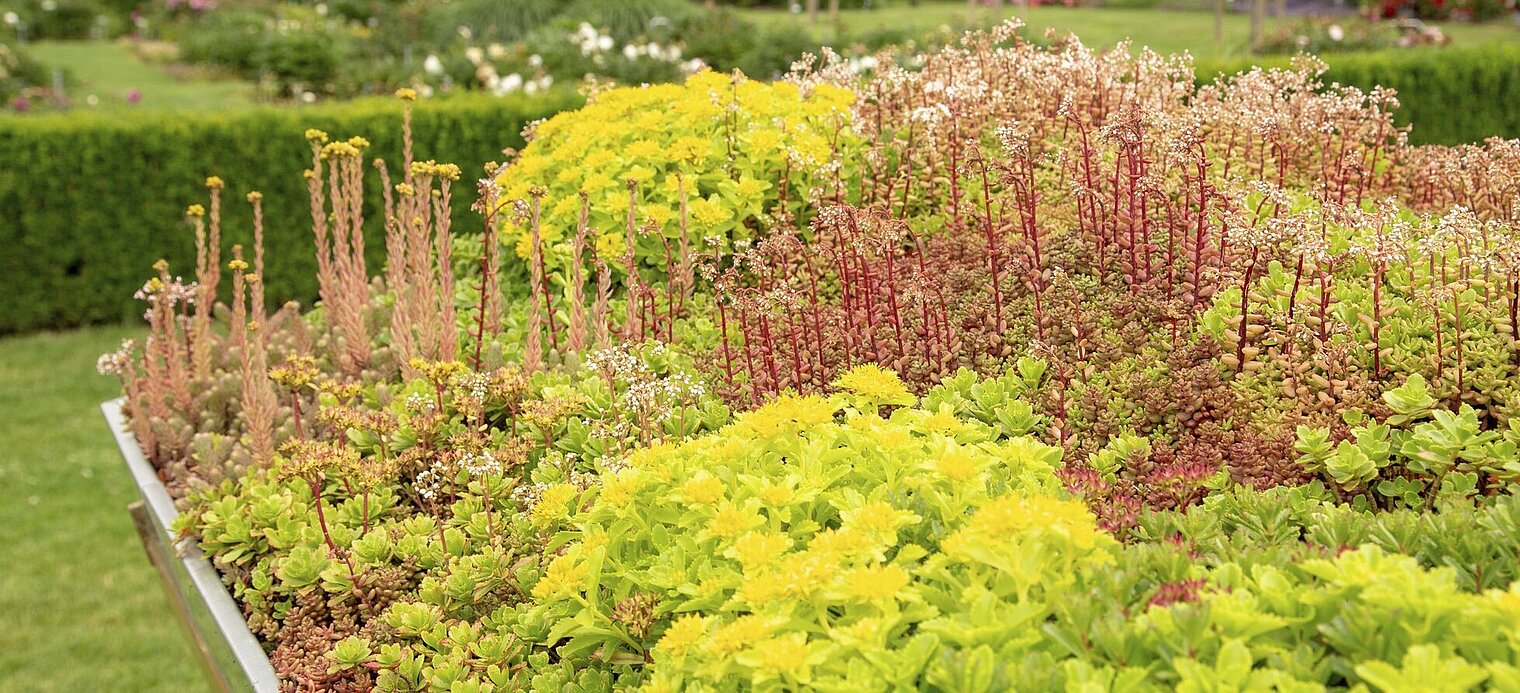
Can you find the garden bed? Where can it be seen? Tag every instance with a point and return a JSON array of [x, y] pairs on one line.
[[213, 624], [1027, 366]]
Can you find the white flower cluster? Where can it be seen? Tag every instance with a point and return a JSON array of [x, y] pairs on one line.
[[652, 50], [481, 464], [476, 385], [590, 41], [429, 482], [117, 362], [597, 45], [487, 75], [417, 403], [661, 398], [177, 291], [526, 495], [617, 363]]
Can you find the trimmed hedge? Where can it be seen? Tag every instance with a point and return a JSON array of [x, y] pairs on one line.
[[1452, 95], [88, 203]]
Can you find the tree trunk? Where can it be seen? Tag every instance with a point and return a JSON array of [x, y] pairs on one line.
[[812, 11], [1219, 6], [1258, 18], [834, 12]]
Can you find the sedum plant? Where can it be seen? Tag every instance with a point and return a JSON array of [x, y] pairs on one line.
[[814, 542], [674, 171], [1009, 366]]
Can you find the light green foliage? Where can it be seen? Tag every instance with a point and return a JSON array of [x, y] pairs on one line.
[[1284, 525], [1435, 453], [998, 402], [1424, 668]]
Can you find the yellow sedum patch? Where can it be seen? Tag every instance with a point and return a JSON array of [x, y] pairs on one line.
[[730, 144], [875, 385], [704, 490], [551, 505], [563, 578], [684, 635], [877, 583], [806, 540]]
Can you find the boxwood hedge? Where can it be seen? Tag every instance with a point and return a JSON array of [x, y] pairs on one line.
[[89, 202]]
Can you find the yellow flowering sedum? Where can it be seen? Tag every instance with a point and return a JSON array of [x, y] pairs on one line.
[[877, 583], [1017, 514], [704, 489], [563, 578], [787, 415], [875, 385], [739, 634], [551, 504], [809, 538], [757, 549], [684, 635], [730, 144]]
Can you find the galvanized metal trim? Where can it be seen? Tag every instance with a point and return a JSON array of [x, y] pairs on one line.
[[206, 583]]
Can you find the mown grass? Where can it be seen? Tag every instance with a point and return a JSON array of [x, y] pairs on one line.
[[110, 70], [1165, 31], [80, 607]]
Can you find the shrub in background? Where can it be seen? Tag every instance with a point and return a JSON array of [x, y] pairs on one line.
[[299, 51], [18, 71], [67, 19], [1322, 35], [85, 197], [1453, 95]]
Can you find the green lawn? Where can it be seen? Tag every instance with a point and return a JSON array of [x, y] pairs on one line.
[[1164, 31], [110, 70], [82, 608]]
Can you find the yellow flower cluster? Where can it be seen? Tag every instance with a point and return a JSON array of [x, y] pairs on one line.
[[1015, 516], [808, 535], [352, 148], [564, 576], [787, 415], [436, 170], [703, 489], [727, 145], [875, 385], [552, 502]]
